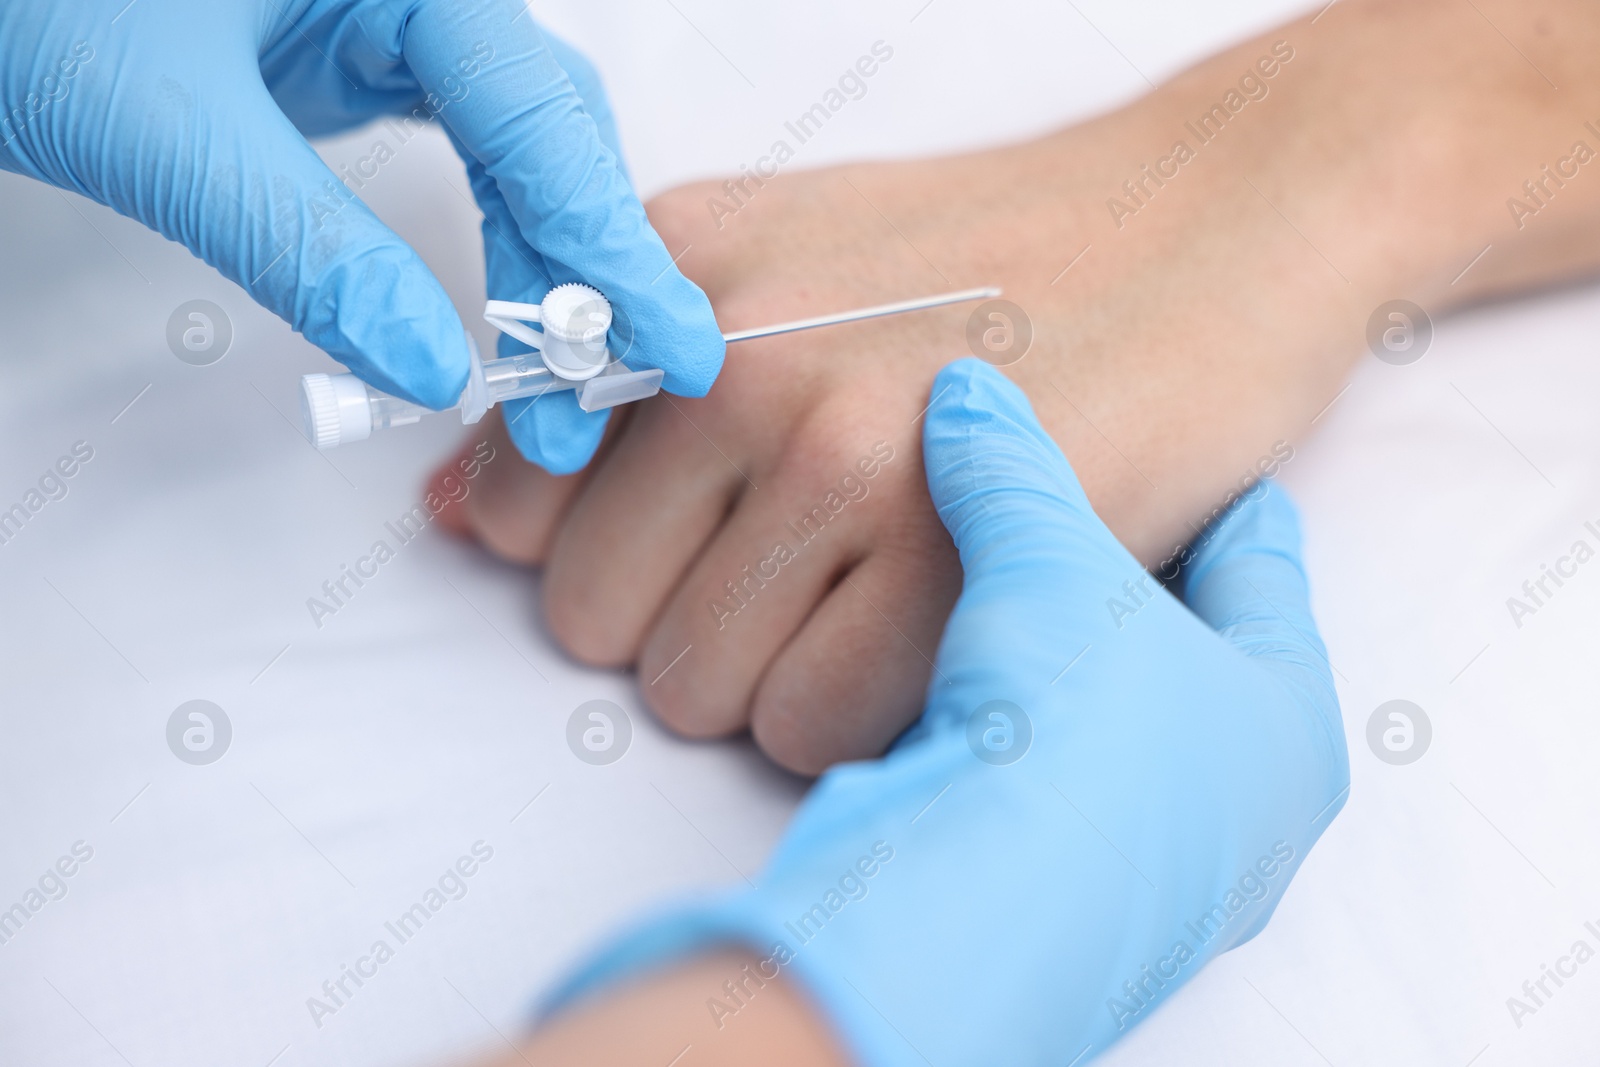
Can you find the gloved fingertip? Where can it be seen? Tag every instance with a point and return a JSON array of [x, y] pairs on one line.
[[553, 432], [679, 335], [981, 431], [691, 379], [385, 316], [969, 385], [1263, 522]]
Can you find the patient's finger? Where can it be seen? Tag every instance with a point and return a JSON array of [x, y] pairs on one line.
[[453, 517], [857, 673], [514, 506], [750, 592], [652, 502]]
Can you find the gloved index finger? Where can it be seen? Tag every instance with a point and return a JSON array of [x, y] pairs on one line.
[[511, 104]]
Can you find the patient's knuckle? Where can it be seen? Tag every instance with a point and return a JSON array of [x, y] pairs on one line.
[[808, 719], [581, 624], [687, 709], [506, 533], [793, 741], [679, 214]]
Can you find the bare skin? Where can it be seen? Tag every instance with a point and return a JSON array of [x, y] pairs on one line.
[[652, 1022], [1220, 318], [1192, 336]]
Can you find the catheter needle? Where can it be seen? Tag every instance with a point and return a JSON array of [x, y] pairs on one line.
[[874, 312]]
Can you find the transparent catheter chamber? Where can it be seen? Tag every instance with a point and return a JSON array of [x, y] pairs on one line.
[[337, 409], [570, 353]]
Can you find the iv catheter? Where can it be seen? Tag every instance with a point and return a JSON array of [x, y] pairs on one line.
[[569, 353]]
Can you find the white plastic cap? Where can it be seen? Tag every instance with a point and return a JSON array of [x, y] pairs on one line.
[[575, 312], [334, 409], [575, 318]]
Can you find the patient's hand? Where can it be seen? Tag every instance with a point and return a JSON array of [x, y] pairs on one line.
[[767, 555]]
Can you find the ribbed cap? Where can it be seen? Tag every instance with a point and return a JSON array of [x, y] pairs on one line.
[[319, 410], [576, 313], [334, 409]]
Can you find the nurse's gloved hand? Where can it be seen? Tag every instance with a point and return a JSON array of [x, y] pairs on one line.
[[191, 116], [1109, 786]]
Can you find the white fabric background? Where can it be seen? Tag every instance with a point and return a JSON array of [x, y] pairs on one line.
[[423, 717]]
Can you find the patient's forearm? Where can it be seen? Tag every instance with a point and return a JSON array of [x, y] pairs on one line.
[[1397, 150], [1404, 138]]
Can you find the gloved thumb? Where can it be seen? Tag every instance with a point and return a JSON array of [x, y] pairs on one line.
[[264, 210], [1002, 487], [1037, 562]]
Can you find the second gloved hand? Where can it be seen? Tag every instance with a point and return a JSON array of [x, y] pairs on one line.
[[1108, 787], [191, 116]]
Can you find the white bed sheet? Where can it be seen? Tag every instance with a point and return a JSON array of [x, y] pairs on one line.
[[370, 753]]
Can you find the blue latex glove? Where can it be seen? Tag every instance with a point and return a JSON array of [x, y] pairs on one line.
[[189, 116], [1184, 756]]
